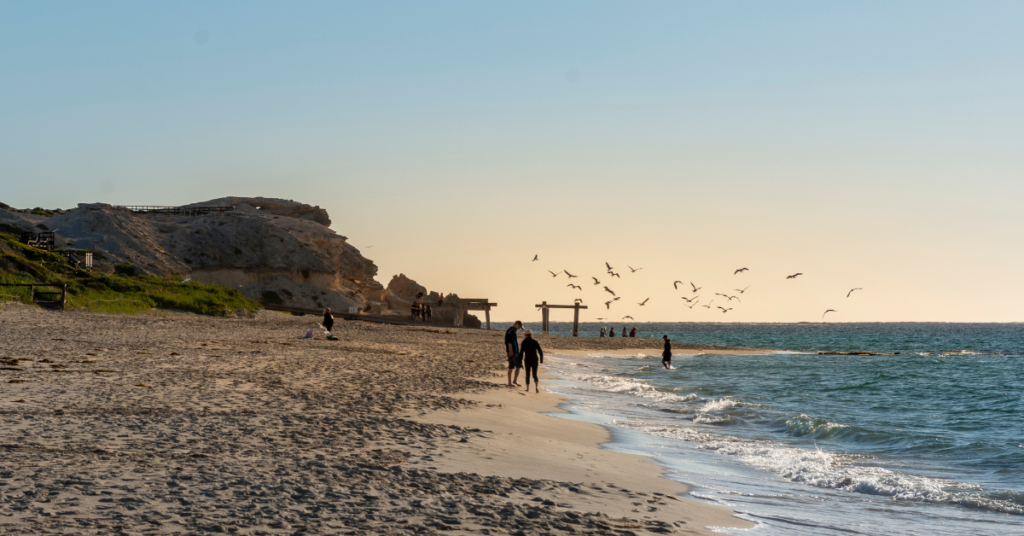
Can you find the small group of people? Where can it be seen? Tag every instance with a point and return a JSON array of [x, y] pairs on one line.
[[530, 355], [421, 310], [610, 332]]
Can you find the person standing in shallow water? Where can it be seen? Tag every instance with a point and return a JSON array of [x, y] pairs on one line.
[[531, 350], [666, 354], [515, 360], [632, 332], [328, 320], [611, 331], [602, 332]]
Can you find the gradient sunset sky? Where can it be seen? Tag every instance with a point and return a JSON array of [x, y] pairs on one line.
[[864, 144]]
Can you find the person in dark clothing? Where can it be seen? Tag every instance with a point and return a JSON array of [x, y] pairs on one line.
[[417, 307], [531, 350], [515, 359], [328, 320], [603, 332], [632, 332], [611, 331], [666, 354]]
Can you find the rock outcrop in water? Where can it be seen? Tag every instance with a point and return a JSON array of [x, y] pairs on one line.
[[273, 250]]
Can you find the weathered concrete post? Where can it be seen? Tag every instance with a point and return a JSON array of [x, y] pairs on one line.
[[576, 320], [487, 315], [544, 318]]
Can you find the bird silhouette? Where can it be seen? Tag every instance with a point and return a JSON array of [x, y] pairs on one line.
[[742, 290], [596, 282], [691, 306], [851, 291], [534, 258], [578, 300], [608, 304], [568, 274], [740, 270], [688, 300], [724, 310], [730, 298], [615, 274], [695, 287], [827, 312], [641, 304], [617, 298], [794, 275], [634, 270], [553, 274], [627, 316], [708, 306], [577, 287], [675, 284], [609, 291], [608, 266]]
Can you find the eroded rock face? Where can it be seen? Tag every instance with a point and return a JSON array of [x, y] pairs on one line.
[[282, 252]]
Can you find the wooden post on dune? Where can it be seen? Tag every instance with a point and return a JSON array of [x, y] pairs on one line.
[[545, 317]]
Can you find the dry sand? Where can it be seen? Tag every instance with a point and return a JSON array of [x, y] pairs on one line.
[[175, 423]]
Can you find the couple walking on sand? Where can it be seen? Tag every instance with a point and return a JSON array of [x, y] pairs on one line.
[[517, 357]]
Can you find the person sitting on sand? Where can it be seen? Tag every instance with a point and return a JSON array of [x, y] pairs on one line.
[[530, 351], [417, 306], [328, 320], [666, 354], [632, 332], [515, 361], [602, 331]]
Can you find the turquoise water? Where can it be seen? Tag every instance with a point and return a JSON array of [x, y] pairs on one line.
[[927, 439]]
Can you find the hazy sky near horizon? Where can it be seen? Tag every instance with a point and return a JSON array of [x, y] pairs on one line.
[[865, 144]]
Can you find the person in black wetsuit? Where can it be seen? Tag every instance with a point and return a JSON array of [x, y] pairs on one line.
[[515, 359], [328, 320], [666, 354], [531, 350]]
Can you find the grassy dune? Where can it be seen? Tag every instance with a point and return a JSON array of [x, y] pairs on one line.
[[121, 292]]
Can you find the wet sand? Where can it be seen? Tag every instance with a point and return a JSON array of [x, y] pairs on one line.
[[175, 423]]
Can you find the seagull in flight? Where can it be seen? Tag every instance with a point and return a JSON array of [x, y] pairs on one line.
[[641, 304], [730, 298], [615, 274], [635, 270], [534, 258], [794, 275], [708, 306], [617, 298], [724, 310], [629, 317], [596, 282], [568, 274], [553, 274], [851, 291], [827, 312], [608, 304], [577, 287], [740, 271], [608, 266], [675, 284], [688, 300], [691, 306], [742, 290], [578, 300], [695, 287], [609, 291]]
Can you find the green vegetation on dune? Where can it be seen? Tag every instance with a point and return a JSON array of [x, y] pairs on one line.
[[120, 292]]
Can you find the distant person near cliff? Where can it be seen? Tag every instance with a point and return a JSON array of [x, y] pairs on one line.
[[328, 320], [515, 360], [440, 300], [666, 354], [531, 350], [417, 306]]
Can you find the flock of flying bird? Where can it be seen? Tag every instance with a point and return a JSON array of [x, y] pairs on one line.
[[691, 302]]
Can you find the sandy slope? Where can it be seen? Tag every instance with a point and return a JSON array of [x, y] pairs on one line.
[[176, 423]]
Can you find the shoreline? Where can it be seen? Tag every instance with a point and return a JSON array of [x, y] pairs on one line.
[[179, 423]]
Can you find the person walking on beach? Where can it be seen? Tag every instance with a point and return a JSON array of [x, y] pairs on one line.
[[632, 332], [602, 332], [515, 360], [666, 354], [328, 320], [531, 349]]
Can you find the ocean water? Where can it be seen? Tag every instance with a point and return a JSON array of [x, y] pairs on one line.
[[927, 438]]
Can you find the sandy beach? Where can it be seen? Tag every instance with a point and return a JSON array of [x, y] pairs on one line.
[[178, 423]]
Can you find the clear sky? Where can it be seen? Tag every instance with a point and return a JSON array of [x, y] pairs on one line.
[[865, 144]]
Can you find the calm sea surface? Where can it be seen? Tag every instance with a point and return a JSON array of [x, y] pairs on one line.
[[928, 439]]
